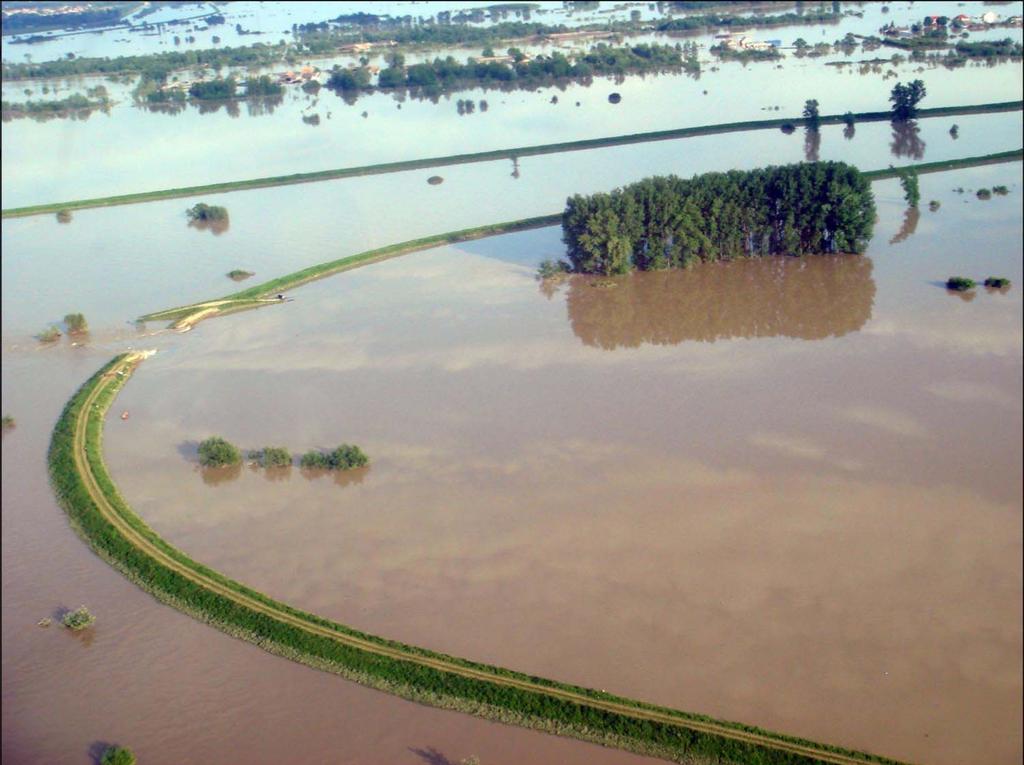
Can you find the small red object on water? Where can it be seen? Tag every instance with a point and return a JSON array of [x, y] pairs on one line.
[[124, 415]]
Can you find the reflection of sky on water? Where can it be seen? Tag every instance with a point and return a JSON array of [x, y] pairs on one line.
[[756, 481], [148, 257], [62, 159]]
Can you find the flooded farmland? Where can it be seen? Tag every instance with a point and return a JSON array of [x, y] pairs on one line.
[[786, 492], [803, 512]]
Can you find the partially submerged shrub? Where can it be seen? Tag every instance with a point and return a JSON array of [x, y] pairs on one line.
[[8, 422], [49, 335], [934, 205], [960, 283], [238, 274], [78, 619], [1000, 190], [216, 452], [984, 194], [205, 212], [345, 457], [63, 216], [118, 755], [997, 282], [550, 268], [435, 180], [614, 98], [271, 456], [76, 324]]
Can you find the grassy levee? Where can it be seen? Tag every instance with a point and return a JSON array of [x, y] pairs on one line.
[[487, 156], [103, 518], [256, 296], [948, 164], [252, 297]]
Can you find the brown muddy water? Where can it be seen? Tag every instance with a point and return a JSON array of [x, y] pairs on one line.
[[785, 492]]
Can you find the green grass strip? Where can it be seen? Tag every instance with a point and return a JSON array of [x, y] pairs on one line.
[[102, 517], [256, 296], [948, 164], [250, 298], [487, 156]]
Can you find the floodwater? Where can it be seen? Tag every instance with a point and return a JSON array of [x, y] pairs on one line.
[[803, 512], [273, 23], [65, 159], [150, 258]]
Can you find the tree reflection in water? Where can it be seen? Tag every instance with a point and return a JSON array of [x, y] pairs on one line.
[[808, 298], [906, 140], [910, 219], [812, 144], [216, 227]]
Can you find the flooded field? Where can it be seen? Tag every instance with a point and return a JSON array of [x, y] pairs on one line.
[[65, 159], [150, 258], [785, 492]]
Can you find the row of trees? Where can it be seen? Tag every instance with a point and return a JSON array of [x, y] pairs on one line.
[[217, 452], [450, 74], [666, 222]]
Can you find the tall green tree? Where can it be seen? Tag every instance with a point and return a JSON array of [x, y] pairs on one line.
[[811, 114], [905, 99]]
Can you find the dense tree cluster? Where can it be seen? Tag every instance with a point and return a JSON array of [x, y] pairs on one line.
[[449, 74], [73, 103], [216, 452], [213, 90], [18, 23], [662, 222], [345, 457], [271, 456], [155, 66], [717, 20], [262, 86]]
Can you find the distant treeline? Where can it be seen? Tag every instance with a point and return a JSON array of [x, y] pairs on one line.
[[325, 36], [663, 222], [688, 23], [76, 102], [18, 23], [155, 66], [448, 74]]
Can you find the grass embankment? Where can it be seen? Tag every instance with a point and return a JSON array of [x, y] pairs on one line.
[[253, 297], [487, 156], [104, 519], [185, 317], [948, 164]]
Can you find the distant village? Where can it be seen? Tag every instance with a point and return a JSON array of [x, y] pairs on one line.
[[962, 21]]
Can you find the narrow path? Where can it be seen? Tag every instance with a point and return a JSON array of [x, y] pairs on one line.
[[91, 408], [489, 156]]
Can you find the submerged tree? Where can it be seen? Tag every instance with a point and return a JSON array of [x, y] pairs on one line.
[[905, 99], [117, 755], [911, 190], [216, 452], [811, 114], [664, 222]]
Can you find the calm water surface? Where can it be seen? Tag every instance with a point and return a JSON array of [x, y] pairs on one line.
[[803, 512], [147, 257], [114, 153]]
